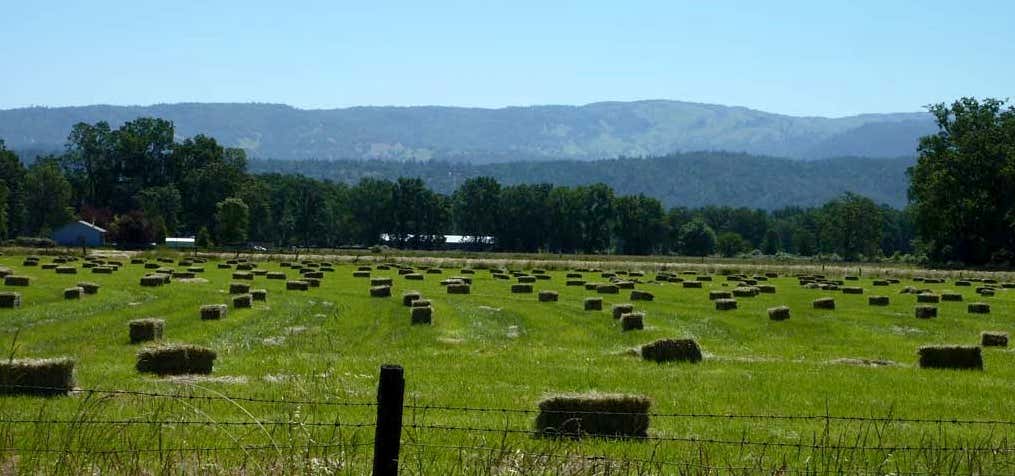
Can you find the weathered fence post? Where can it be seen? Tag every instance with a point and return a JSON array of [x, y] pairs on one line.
[[388, 433]]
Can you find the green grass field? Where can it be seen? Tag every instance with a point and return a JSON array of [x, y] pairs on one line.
[[319, 351]]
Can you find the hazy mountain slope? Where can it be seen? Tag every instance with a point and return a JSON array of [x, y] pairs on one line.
[[693, 179], [599, 130]]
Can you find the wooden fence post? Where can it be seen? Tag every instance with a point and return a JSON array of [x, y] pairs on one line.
[[388, 433]]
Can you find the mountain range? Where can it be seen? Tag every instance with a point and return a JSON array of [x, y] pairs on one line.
[[536, 133]]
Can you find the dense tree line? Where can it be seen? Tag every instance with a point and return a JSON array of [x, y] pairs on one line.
[[143, 184]]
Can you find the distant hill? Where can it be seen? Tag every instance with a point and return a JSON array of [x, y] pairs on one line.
[[692, 179], [593, 131]]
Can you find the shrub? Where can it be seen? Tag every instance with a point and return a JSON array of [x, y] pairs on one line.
[[73, 293], [725, 304], [175, 359], [16, 280], [521, 288], [461, 288], [148, 329], [632, 321], [994, 339], [672, 350], [10, 300], [823, 303], [213, 311], [421, 315], [978, 308], [239, 288], [593, 304], [780, 313], [297, 286], [548, 296], [621, 309], [243, 301], [44, 377], [878, 301], [594, 415], [951, 357], [380, 291], [925, 312], [641, 296]]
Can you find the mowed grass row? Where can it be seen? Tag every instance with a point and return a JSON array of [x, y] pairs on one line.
[[494, 349]]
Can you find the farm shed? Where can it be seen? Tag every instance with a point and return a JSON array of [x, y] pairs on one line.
[[79, 233], [173, 242]]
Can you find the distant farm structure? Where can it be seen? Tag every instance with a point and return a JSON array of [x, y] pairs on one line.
[[79, 233]]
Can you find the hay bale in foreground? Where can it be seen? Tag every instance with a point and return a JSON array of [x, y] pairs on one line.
[[878, 301], [780, 313], [243, 301], [621, 309], [593, 304], [10, 300], [259, 294], [213, 311], [725, 304], [89, 287], [292, 285], [607, 289], [691, 284], [239, 288], [148, 329], [17, 280], [925, 312], [73, 293], [548, 296], [642, 296], [413, 277], [380, 291], [951, 297], [43, 377], [66, 270], [951, 357], [421, 315], [175, 359], [672, 350], [928, 298], [421, 303], [994, 339], [460, 288], [521, 288], [851, 290], [594, 415], [824, 303], [409, 297], [632, 321], [713, 295], [978, 308], [766, 289], [275, 275]]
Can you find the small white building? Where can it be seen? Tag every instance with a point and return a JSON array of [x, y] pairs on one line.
[[180, 242]]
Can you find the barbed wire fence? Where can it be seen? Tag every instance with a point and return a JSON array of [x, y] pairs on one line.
[[390, 433]]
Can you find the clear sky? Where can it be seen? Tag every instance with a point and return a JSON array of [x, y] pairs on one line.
[[816, 57]]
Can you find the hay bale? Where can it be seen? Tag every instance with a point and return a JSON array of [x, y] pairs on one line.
[[42, 377], [275, 275], [823, 303], [296, 285], [928, 298], [73, 293], [10, 300], [152, 280], [745, 292], [213, 311], [66, 270], [725, 304], [703, 278], [672, 350], [925, 312], [521, 288], [421, 303], [183, 275], [607, 289], [994, 339], [320, 275], [409, 297], [434, 271], [377, 281], [691, 284], [574, 276], [460, 288], [780, 313], [963, 283], [951, 357], [148, 329], [17, 280], [632, 321], [879, 282], [380, 291], [548, 296], [224, 266], [851, 290], [259, 294], [421, 315], [593, 304], [526, 279], [713, 295], [239, 288], [313, 282], [878, 301], [414, 277], [574, 282], [978, 308], [361, 274], [243, 301], [642, 296], [624, 284], [244, 275], [621, 309], [594, 415], [103, 270], [951, 297], [766, 289], [175, 359], [985, 291]]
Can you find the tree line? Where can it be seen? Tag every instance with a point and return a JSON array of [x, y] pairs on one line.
[[142, 184]]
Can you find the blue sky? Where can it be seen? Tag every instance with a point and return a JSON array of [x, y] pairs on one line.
[[828, 58]]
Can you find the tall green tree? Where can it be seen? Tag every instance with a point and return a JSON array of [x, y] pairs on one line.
[[730, 244], [697, 238], [161, 204], [233, 219], [962, 188], [48, 197], [640, 224], [852, 227], [475, 207], [371, 206], [12, 177]]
